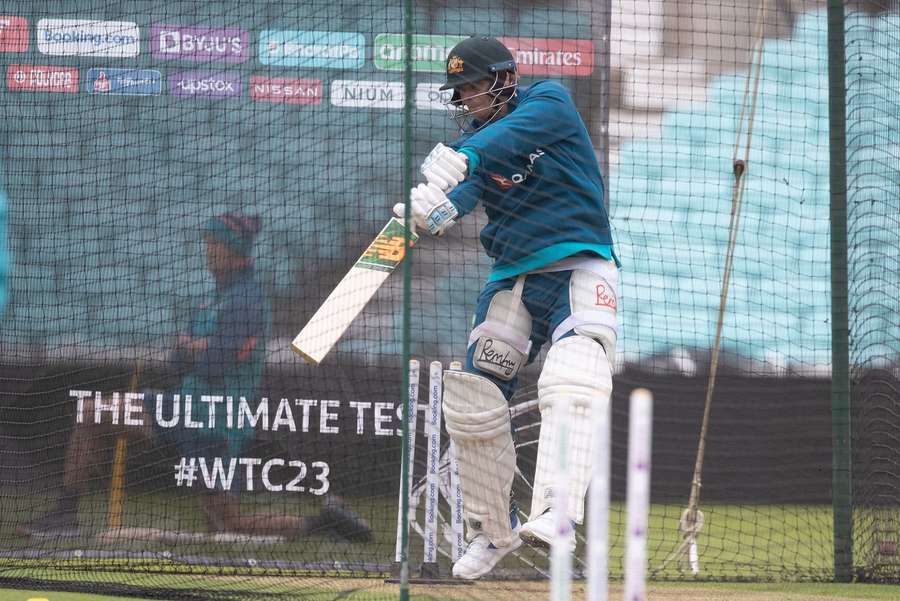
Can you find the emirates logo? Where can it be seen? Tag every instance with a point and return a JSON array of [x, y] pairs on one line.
[[455, 65]]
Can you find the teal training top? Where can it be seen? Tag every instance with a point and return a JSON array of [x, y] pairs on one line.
[[536, 174]]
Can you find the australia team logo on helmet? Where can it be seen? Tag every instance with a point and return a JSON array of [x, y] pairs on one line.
[[455, 65]]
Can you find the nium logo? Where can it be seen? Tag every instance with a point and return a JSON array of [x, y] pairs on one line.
[[201, 83], [285, 90], [230, 45], [42, 78], [371, 94], [79, 37]]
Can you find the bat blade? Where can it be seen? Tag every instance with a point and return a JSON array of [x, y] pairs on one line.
[[353, 293]]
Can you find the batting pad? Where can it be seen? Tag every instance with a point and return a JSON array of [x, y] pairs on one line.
[[576, 368], [477, 419]]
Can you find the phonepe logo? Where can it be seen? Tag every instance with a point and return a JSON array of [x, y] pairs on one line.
[[205, 84], [542, 56], [78, 37], [229, 45], [13, 34], [318, 49]]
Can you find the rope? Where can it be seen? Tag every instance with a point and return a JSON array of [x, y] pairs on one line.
[[691, 522]]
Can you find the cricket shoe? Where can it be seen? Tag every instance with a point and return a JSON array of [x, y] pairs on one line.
[[541, 531], [482, 555]]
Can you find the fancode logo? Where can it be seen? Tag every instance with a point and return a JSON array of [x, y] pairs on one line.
[[79, 37], [124, 82], [318, 49], [285, 90], [429, 52], [205, 84], [42, 78], [387, 251], [13, 34], [230, 45], [543, 56]]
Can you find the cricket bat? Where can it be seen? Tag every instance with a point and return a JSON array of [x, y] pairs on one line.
[[353, 293]]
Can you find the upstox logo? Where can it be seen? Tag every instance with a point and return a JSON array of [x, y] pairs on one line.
[[78, 37], [318, 49], [429, 52]]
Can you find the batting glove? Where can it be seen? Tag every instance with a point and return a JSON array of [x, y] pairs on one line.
[[444, 167], [430, 208]]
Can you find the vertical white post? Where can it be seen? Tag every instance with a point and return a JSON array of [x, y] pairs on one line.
[[457, 512], [433, 434], [560, 554], [413, 402], [637, 500], [598, 506], [456, 509]]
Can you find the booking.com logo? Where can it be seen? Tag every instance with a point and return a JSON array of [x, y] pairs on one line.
[[70, 37]]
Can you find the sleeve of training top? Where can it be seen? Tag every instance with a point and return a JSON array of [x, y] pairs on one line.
[[466, 195], [545, 116]]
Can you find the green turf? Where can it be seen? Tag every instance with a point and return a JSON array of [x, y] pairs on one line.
[[778, 543]]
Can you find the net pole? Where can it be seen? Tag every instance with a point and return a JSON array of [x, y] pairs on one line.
[[407, 293], [841, 498]]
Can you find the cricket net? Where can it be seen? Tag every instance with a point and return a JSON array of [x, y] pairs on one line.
[[137, 456]]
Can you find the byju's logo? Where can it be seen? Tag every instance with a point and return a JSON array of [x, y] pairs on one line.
[[205, 84], [230, 45], [77, 37]]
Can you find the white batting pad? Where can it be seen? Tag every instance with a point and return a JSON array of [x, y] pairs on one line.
[[477, 419], [578, 370]]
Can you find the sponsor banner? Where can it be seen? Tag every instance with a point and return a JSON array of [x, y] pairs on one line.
[[229, 45], [42, 78], [540, 56], [207, 84], [79, 37], [317, 49], [13, 34], [369, 94], [117, 82], [429, 51], [285, 90], [429, 97]]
